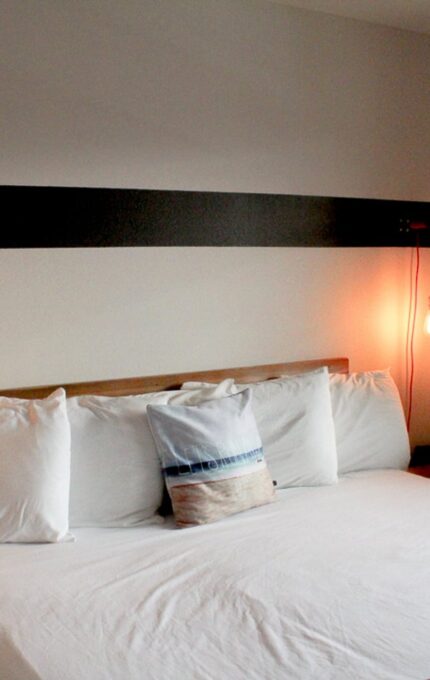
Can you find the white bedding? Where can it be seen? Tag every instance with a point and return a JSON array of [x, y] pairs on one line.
[[329, 582]]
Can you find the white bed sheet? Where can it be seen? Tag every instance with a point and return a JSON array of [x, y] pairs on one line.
[[330, 582]]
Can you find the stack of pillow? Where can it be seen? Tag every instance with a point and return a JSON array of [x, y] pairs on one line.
[[96, 461]]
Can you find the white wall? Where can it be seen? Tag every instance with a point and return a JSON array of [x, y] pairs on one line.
[[98, 312], [235, 95]]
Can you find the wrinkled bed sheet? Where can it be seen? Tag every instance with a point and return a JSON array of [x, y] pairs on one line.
[[329, 582]]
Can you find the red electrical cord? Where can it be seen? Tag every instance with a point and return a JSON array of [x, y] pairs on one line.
[[413, 301], [408, 327]]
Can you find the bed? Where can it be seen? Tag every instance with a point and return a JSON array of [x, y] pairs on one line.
[[325, 582]]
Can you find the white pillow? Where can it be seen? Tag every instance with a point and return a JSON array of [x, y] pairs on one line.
[[369, 421], [295, 422], [34, 469], [116, 478]]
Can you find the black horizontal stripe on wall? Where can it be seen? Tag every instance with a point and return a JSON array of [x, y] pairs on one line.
[[67, 217]]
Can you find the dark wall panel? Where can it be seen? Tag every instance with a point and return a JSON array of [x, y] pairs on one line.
[[52, 217]]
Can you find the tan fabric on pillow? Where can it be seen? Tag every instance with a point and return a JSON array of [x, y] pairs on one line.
[[209, 501]]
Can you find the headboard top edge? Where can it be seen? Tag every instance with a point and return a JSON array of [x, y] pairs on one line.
[[157, 383]]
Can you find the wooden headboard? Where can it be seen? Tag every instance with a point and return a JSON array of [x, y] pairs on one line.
[[155, 383]]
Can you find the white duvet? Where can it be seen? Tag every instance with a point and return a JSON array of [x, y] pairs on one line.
[[328, 582]]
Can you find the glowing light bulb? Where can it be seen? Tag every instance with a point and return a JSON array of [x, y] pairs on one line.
[[427, 321]]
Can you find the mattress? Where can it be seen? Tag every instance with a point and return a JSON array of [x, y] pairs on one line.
[[329, 582]]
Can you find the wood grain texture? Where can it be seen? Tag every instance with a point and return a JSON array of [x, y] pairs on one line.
[[155, 383]]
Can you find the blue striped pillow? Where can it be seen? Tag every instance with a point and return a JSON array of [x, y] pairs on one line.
[[212, 458]]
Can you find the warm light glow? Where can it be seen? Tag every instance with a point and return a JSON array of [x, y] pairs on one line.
[[427, 320]]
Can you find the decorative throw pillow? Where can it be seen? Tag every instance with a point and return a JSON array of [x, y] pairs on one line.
[[294, 418], [212, 458], [369, 421], [116, 478], [34, 469]]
